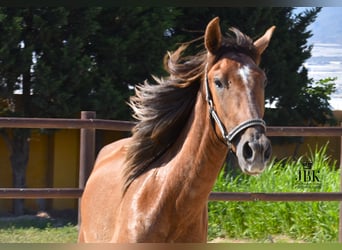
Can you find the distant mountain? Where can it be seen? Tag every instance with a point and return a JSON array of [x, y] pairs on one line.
[[328, 26]]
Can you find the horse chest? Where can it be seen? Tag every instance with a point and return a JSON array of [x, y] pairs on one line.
[[154, 217]]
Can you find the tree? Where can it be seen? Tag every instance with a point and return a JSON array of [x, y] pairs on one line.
[[62, 75], [13, 59], [43, 59], [60, 61], [127, 49]]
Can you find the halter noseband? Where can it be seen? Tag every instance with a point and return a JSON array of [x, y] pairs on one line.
[[228, 137]]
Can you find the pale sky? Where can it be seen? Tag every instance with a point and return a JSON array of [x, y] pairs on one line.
[[326, 60]]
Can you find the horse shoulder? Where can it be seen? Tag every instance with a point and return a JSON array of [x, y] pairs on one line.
[[103, 192]]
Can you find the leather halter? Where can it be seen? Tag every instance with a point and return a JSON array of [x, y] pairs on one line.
[[228, 137]]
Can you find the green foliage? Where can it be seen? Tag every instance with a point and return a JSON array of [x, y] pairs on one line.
[[317, 95], [62, 75], [309, 221], [127, 49], [66, 60]]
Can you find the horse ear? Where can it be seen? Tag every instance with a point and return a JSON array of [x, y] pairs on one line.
[[213, 36], [262, 43]]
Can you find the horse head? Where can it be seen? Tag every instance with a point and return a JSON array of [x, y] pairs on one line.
[[234, 86]]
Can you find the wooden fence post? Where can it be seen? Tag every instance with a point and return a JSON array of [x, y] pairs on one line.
[[87, 154]]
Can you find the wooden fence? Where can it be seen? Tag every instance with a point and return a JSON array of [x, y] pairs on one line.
[[88, 124]]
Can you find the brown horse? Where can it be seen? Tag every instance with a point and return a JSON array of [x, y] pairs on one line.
[[154, 186]]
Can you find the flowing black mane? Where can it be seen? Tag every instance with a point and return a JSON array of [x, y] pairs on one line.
[[162, 109]]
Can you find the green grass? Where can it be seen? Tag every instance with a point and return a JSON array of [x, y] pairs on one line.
[[307, 221], [32, 229], [66, 234]]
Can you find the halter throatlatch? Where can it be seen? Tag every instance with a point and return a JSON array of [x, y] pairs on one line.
[[228, 137]]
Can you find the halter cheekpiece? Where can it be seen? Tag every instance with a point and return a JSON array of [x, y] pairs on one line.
[[228, 137]]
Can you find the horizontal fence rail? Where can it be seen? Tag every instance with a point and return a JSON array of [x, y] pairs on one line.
[[55, 123], [75, 193], [40, 193], [304, 131]]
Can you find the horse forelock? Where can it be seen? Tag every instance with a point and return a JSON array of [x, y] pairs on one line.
[[162, 109], [238, 42]]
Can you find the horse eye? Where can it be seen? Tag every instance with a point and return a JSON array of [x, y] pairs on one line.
[[218, 83]]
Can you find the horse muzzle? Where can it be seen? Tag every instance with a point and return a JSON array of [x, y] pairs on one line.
[[253, 150]]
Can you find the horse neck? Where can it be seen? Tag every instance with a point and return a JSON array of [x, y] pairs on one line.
[[201, 155]]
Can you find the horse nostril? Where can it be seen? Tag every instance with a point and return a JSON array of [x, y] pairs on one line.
[[247, 151]]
